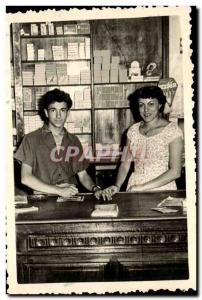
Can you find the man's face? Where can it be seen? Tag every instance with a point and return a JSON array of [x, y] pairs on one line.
[[57, 114]]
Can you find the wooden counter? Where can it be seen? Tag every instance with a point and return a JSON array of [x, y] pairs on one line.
[[62, 243]]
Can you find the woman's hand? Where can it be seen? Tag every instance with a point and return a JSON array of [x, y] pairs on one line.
[[109, 192]]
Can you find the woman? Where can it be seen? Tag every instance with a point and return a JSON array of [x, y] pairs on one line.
[[154, 143]]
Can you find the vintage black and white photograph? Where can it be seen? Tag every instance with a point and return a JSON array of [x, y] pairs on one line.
[[101, 170]]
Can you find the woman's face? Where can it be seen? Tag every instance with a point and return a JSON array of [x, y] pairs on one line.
[[149, 108]]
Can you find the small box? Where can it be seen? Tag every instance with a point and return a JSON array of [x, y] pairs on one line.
[[105, 53], [115, 60], [59, 30], [34, 30], [70, 29], [41, 54], [98, 78], [106, 62], [105, 75], [97, 53], [114, 75], [97, 60], [50, 28], [82, 51], [83, 28], [123, 75], [43, 29]]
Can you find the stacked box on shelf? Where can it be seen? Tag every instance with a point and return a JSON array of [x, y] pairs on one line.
[[58, 52], [109, 96], [59, 30], [81, 50], [73, 50], [28, 77], [39, 91], [114, 67], [105, 65], [78, 99], [83, 27], [87, 48], [85, 76], [28, 99], [30, 52], [62, 74], [43, 29], [40, 74], [82, 98], [41, 54], [78, 122], [87, 97], [74, 79], [70, 29], [51, 74], [123, 77], [97, 66], [51, 30], [34, 29]]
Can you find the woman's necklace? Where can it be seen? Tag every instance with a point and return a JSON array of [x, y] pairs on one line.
[[148, 131]]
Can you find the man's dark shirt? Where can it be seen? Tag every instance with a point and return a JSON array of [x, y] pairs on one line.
[[35, 151]]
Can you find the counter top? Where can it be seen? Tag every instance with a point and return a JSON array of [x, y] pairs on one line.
[[131, 206]]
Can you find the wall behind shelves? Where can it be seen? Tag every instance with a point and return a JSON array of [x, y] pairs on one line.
[[142, 41], [175, 64]]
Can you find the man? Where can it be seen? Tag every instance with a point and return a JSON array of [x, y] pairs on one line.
[[47, 164]]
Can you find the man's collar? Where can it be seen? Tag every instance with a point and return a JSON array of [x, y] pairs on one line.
[[45, 128]]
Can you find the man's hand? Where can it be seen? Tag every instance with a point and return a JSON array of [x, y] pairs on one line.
[[67, 190]]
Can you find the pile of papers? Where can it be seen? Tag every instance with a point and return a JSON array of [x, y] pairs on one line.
[[171, 205]]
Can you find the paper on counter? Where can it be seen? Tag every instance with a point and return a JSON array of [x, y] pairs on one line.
[[165, 210], [73, 198]]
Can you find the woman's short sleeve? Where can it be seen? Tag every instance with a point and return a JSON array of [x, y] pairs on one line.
[[133, 131], [173, 132], [129, 134]]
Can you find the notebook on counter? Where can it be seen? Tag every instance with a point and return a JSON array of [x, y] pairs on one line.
[[105, 210], [20, 209]]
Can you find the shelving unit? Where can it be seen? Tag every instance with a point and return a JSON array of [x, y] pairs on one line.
[[91, 61]]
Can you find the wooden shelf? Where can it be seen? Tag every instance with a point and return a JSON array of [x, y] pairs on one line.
[[52, 60], [81, 133], [126, 82], [72, 109], [53, 85], [107, 108], [55, 36]]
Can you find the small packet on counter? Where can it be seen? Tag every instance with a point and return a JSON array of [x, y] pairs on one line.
[[105, 210], [70, 199], [165, 210], [21, 199], [172, 201], [24, 209]]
